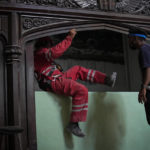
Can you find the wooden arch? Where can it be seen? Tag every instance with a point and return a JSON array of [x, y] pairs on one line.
[[34, 34]]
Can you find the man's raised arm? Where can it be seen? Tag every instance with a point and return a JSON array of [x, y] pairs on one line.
[[61, 47]]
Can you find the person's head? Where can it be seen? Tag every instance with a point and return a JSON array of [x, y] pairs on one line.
[[136, 38], [44, 42]]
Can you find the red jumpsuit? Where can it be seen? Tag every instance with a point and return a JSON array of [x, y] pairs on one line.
[[65, 83]]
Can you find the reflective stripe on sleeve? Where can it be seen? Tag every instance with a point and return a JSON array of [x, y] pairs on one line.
[[88, 76], [78, 110], [46, 69], [86, 104], [93, 74]]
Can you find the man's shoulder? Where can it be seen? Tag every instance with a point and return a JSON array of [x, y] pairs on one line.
[[145, 48], [147, 45]]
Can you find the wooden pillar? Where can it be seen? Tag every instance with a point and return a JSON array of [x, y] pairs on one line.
[[12, 53]]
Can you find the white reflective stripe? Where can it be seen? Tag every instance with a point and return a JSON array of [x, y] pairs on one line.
[[86, 104], [88, 76], [51, 67], [93, 74], [56, 76], [47, 69], [47, 73], [79, 110]]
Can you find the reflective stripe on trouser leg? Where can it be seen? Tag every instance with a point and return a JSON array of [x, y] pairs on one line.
[[91, 75], [79, 94], [80, 105]]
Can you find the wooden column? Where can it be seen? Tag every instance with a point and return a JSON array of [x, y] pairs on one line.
[[12, 53]]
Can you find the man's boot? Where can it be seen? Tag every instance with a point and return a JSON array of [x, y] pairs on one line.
[[73, 127], [111, 80]]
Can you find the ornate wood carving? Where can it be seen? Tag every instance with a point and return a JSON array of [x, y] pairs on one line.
[[12, 53], [107, 5], [134, 6], [40, 2], [88, 4], [123, 6], [30, 22]]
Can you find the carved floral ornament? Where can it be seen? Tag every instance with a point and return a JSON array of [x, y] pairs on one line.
[[124, 6], [33, 22]]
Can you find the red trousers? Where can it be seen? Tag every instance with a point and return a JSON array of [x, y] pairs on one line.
[[67, 85]]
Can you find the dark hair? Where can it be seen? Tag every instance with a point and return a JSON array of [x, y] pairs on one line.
[[44, 42], [138, 31]]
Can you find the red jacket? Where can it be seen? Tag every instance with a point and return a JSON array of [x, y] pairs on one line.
[[44, 58]]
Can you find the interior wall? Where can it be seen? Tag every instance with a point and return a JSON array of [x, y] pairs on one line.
[[116, 121]]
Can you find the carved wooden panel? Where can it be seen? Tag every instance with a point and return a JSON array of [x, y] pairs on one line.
[[63, 3], [32, 22], [134, 6], [121, 6]]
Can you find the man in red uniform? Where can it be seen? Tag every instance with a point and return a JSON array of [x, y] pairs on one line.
[[65, 83]]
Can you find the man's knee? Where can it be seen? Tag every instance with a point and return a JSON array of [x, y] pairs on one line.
[[76, 67]]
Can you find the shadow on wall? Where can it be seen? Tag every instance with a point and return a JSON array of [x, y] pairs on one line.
[[65, 104], [106, 122]]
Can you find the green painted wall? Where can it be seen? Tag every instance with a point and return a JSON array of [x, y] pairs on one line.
[[116, 121]]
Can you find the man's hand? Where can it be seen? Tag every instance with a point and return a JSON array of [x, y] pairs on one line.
[[72, 33], [142, 96]]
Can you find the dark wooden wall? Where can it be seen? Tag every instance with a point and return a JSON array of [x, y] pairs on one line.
[[22, 21]]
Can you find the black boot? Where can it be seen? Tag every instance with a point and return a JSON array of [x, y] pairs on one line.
[[110, 80], [74, 128]]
